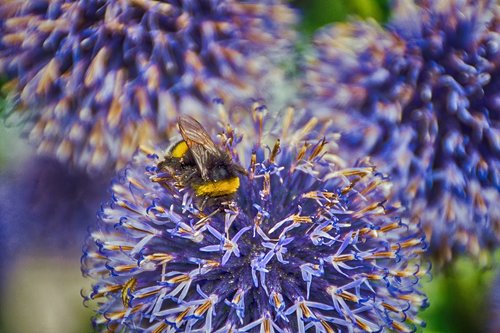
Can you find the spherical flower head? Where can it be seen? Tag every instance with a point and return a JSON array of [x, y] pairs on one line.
[[303, 246], [98, 78], [44, 207], [441, 141], [360, 65], [45, 210]]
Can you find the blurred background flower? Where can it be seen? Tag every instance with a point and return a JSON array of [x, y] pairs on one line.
[[45, 211], [94, 80], [304, 246], [422, 99], [48, 205]]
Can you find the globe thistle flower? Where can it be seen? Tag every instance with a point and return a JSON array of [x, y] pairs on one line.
[[422, 99], [359, 65], [45, 208], [96, 79], [303, 246]]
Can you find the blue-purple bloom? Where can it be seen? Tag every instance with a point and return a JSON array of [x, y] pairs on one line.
[[359, 65], [45, 208], [305, 246], [422, 98], [98, 78], [49, 202]]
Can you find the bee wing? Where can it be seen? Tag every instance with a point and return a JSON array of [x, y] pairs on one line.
[[199, 142]]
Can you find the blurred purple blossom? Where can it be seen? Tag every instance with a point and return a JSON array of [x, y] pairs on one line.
[[422, 99], [44, 208], [95, 79]]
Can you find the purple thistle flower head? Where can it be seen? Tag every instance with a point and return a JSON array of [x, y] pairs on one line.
[[428, 113], [304, 246], [101, 77], [359, 65], [45, 208]]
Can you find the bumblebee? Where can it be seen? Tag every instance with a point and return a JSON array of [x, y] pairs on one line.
[[197, 162]]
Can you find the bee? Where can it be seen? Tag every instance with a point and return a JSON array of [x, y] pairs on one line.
[[197, 162]]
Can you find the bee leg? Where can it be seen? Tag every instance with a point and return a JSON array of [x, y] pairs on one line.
[[203, 203], [189, 176]]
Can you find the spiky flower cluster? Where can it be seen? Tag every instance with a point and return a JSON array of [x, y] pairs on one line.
[[422, 98], [98, 78], [361, 66], [45, 207], [304, 246], [44, 210]]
